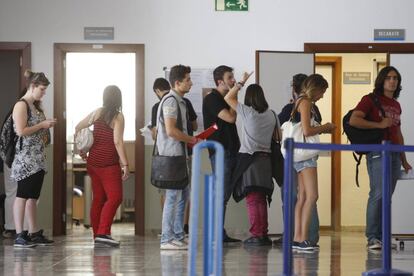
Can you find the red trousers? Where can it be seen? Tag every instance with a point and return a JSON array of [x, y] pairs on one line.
[[257, 211], [106, 197]]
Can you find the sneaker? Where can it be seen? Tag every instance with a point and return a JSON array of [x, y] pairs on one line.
[[181, 242], [374, 244], [38, 239], [295, 244], [258, 241], [9, 234], [229, 239], [278, 242], [173, 245], [305, 246], [23, 241], [106, 239]]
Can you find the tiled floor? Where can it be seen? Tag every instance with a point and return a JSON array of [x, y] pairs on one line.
[[75, 254]]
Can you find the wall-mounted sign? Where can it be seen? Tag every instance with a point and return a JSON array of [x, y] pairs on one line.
[[232, 5], [389, 34], [98, 33], [357, 78]]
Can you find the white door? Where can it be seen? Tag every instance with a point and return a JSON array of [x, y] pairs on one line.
[[274, 73], [402, 203]]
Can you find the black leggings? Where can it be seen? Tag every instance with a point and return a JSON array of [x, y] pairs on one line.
[[30, 186]]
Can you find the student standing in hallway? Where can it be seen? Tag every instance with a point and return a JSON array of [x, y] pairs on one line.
[[107, 163], [367, 115], [217, 111], [284, 116], [28, 168], [313, 89], [170, 139]]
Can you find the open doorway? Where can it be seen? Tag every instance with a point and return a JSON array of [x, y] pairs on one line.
[[14, 60], [360, 65], [82, 71]]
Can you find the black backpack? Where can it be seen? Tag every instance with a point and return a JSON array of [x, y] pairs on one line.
[[9, 138], [363, 136]]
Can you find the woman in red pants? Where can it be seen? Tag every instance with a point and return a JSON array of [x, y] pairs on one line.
[[107, 163]]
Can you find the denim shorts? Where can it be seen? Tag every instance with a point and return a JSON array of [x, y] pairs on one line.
[[301, 165]]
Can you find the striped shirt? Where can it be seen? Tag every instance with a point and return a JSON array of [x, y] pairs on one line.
[[103, 152]]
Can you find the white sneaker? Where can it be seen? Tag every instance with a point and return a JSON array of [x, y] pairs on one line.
[[181, 242], [173, 245]]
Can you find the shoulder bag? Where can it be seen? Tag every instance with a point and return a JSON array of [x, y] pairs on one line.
[[84, 138], [276, 154], [294, 130], [169, 172]]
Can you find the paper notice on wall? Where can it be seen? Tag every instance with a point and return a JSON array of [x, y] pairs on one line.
[[203, 83]]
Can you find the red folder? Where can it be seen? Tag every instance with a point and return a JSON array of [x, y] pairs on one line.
[[205, 134]]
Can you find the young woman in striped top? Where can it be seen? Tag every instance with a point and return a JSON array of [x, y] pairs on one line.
[[107, 163]]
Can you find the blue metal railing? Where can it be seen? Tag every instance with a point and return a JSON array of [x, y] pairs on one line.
[[213, 212], [385, 148]]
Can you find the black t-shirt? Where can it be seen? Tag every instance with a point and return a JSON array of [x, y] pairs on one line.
[[226, 134], [284, 115]]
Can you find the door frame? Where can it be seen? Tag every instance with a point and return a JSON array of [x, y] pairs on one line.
[[363, 48], [25, 50], [336, 103], [59, 133]]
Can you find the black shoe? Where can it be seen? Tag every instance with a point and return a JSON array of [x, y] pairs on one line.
[[23, 241], [266, 241], [38, 239], [9, 234], [107, 240], [278, 242], [229, 239], [186, 229], [253, 241], [258, 241]]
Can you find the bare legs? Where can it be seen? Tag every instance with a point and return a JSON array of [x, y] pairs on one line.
[[306, 200], [22, 207]]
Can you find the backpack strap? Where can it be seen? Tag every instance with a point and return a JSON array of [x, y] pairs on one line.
[[179, 124], [358, 160]]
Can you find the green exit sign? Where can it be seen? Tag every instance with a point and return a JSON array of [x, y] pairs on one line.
[[232, 5]]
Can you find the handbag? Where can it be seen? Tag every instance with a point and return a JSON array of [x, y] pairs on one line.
[[169, 172], [276, 154], [294, 130], [84, 138]]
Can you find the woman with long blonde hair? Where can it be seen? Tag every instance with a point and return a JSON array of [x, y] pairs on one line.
[[313, 89]]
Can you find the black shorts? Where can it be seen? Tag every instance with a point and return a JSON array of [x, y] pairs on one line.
[[30, 186]]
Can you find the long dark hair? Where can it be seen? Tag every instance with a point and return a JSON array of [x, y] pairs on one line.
[[35, 78], [255, 98], [112, 103], [380, 80]]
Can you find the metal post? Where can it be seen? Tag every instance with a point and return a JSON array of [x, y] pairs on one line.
[[208, 224], [288, 209], [213, 212], [386, 269], [386, 209]]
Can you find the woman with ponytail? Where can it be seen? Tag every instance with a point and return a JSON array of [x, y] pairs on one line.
[[107, 163]]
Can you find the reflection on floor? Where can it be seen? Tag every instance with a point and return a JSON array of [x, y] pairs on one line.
[[75, 254]]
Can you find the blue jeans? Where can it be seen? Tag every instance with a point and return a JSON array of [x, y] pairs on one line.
[[374, 206], [313, 232], [230, 160], [173, 215]]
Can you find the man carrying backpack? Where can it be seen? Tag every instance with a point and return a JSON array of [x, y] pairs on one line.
[[367, 115]]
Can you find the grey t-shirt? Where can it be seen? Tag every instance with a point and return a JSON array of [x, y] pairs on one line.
[[168, 146], [257, 129]]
